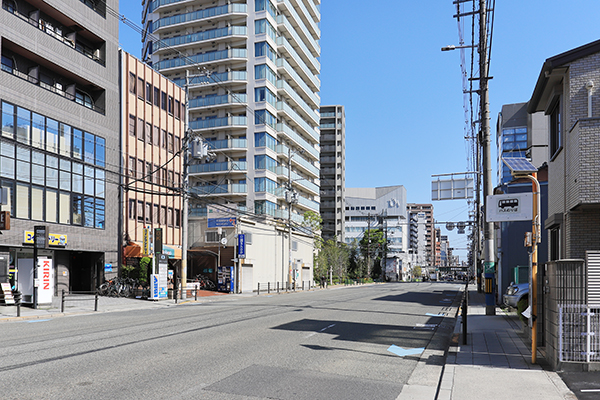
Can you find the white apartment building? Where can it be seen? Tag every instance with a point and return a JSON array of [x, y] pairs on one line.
[[253, 96]]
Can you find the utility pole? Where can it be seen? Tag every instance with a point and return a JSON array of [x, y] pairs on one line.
[[290, 199], [489, 266], [368, 245], [184, 194]]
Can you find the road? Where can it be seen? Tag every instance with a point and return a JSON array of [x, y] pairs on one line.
[[324, 344]]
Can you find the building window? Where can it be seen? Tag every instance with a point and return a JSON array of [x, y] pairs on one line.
[[132, 81], [156, 135], [555, 129], [554, 244], [140, 88], [163, 101], [170, 142], [131, 125], [148, 92], [140, 129], [163, 139], [156, 97], [140, 211], [148, 132], [177, 109], [170, 105]]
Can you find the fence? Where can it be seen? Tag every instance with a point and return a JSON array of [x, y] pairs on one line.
[[278, 287], [579, 333]]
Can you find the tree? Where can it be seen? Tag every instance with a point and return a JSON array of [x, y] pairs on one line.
[[334, 259], [417, 272], [373, 246], [314, 222]]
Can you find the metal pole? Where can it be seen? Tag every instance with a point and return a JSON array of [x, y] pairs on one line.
[[537, 236], [489, 259], [290, 214]]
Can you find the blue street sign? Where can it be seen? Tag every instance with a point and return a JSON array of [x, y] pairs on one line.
[[241, 246], [221, 222]]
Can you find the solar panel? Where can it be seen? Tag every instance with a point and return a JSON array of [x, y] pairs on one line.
[[519, 165]]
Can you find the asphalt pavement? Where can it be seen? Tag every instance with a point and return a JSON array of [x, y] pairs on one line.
[[494, 364]]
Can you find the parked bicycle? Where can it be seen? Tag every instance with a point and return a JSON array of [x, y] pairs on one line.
[[204, 282]]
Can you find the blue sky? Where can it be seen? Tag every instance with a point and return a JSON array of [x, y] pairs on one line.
[[403, 96]]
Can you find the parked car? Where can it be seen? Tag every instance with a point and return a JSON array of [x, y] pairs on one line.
[[514, 293]]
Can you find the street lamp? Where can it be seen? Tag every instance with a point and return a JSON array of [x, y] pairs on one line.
[[520, 167], [453, 47]]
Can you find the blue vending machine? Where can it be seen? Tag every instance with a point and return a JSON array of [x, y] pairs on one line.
[[225, 279]]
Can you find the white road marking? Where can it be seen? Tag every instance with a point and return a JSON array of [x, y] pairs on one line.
[[314, 333]]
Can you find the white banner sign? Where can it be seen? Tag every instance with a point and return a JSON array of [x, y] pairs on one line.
[[509, 207], [45, 275]]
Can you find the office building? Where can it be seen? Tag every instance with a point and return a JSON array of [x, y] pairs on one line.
[[333, 172], [60, 147], [153, 126]]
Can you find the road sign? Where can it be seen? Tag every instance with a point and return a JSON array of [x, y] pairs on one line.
[[509, 207], [221, 222], [450, 189], [242, 245]]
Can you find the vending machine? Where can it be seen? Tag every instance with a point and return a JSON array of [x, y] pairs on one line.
[[225, 279]]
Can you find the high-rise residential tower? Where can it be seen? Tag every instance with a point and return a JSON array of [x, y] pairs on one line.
[[253, 96], [333, 172]]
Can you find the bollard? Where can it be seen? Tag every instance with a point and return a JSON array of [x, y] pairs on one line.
[[96, 301], [62, 302], [195, 294], [303, 286], [175, 292], [17, 296], [258, 291], [278, 287], [268, 287], [464, 317]]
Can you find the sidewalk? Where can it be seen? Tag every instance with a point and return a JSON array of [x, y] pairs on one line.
[[496, 362], [85, 305]]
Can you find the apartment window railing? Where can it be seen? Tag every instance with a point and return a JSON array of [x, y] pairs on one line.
[[79, 97], [57, 33], [201, 36]]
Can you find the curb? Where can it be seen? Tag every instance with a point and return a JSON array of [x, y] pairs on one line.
[[425, 381]]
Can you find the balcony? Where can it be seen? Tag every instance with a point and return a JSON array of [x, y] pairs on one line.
[[308, 113], [205, 190], [199, 15], [228, 144], [211, 34], [296, 21], [51, 77], [327, 125], [310, 74], [233, 121], [160, 3], [220, 78], [310, 204], [297, 119], [210, 56], [306, 54], [226, 99], [226, 166], [283, 128], [283, 66], [307, 18], [82, 41]]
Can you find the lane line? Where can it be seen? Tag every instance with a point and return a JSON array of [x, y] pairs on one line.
[[314, 333]]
